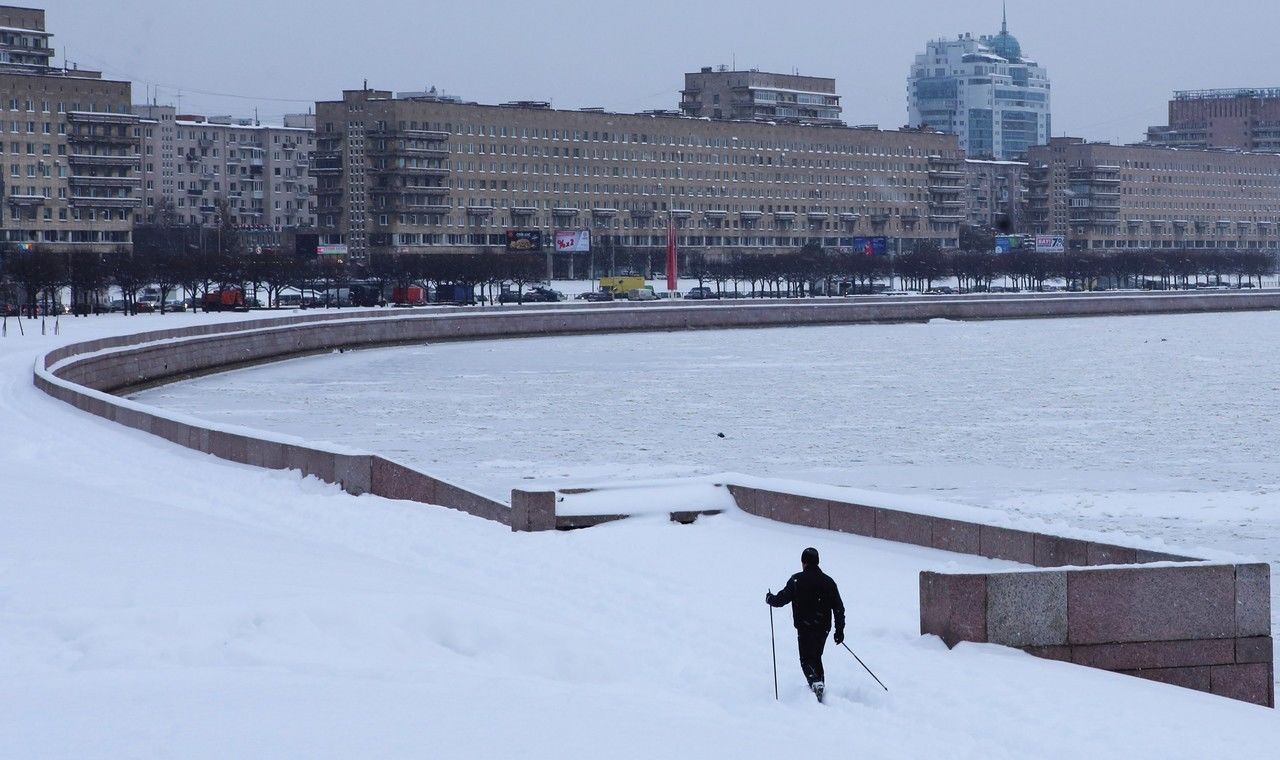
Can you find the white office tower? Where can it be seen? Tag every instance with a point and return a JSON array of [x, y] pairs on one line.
[[984, 90]]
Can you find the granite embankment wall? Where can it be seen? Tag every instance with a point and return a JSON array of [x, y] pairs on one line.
[[1182, 621], [87, 374]]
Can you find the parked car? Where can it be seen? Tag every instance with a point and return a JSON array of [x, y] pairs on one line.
[[700, 293], [143, 307], [597, 295], [536, 294]]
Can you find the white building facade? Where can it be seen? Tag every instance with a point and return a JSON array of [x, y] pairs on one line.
[[985, 91]]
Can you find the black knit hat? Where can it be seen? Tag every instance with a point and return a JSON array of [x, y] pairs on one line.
[[809, 556]]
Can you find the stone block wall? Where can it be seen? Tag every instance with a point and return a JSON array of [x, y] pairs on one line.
[[1206, 627]]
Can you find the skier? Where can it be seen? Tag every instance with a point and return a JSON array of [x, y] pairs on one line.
[[813, 597]]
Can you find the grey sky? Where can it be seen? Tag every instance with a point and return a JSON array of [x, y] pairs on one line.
[[1113, 63]]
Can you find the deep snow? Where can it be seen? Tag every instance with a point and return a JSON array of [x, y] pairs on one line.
[[155, 602]]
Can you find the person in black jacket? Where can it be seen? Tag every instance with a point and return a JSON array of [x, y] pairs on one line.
[[814, 599]]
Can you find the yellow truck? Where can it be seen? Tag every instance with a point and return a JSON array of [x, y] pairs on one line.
[[621, 286]]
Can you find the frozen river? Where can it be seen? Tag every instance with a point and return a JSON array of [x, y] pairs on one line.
[[1160, 426]]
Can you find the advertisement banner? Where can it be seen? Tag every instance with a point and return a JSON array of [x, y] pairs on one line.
[[871, 246], [339, 249], [1051, 244], [524, 241], [573, 241], [1012, 244]]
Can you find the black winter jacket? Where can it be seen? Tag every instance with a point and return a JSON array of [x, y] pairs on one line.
[[814, 598]]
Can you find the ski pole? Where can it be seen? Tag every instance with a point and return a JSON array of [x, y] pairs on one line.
[[773, 645], [864, 666]]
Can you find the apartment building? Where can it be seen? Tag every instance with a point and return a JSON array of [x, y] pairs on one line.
[[995, 193], [68, 147], [1102, 196], [983, 89], [1244, 119], [260, 171], [719, 93], [422, 175]]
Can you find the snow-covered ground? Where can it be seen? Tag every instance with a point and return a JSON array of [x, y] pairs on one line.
[[155, 602]]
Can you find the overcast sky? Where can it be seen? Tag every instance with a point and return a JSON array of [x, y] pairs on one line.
[[1113, 63]]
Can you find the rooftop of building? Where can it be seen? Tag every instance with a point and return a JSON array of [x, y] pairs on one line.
[[657, 113], [1234, 93]]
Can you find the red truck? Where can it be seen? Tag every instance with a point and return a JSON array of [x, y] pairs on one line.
[[231, 299], [410, 296]]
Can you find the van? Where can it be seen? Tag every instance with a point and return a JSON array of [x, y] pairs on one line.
[[641, 294]]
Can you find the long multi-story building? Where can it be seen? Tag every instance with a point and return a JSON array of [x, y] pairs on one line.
[[984, 90], [68, 146], [421, 175], [260, 171], [1101, 196], [995, 193], [719, 93], [1244, 119]]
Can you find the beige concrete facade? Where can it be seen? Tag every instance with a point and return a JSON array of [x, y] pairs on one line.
[[261, 171], [996, 193], [68, 147], [718, 93], [1244, 119], [422, 175], [1103, 196]]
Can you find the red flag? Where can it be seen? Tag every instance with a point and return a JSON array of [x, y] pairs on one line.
[[671, 254]]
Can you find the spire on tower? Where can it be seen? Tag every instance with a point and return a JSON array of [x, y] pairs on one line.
[[1004, 16]]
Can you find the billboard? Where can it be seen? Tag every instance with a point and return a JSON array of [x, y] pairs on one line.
[[573, 241], [1051, 244], [524, 241], [339, 249], [871, 246], [1012, 243]]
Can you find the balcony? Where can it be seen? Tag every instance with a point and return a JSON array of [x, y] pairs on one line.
[[419, 171], [604, 212], [525, 211], [402, 150], [101, 117], [680, 213], [88, 201], [87, 181], [750, 214], [416, 134], [78, 138], [91, 159], [817, 216], [19, 199], [565, 212]]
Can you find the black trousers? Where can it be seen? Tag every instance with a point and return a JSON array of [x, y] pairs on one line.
[[811, 641]]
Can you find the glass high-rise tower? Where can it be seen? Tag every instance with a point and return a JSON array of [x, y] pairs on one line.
[[984, 90]]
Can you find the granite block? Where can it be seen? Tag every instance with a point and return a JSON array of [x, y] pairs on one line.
[[1253, 600], [533, 510], [1059, 653], [1027, 609], [1055, 551], [956, 536], [1144, 556], [1006, 543], [799, 510], [1151, 604], [1188, 678], [1255, 649], [953, 607], [749, 500], [1110, 554], [1155, 654], [852, 518], [903, 527], [1248, 683]]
